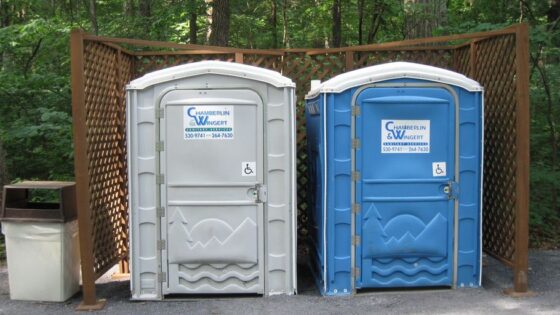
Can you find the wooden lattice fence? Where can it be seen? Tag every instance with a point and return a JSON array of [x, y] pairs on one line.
[[101, 67]]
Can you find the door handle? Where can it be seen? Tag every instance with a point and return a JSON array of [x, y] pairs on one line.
[[259, 193]]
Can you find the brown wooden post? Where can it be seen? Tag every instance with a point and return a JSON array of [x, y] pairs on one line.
[[349, 60], [239, 57], [81, 162], [521, 259]]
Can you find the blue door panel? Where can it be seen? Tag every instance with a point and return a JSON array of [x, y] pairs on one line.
[[407, 218]]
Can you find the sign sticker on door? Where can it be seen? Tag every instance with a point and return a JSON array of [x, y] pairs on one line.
[[248, 168], [439, 169], [405, 136], [208, 122]]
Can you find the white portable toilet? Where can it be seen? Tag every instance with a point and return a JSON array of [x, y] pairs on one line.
[[211, 164]]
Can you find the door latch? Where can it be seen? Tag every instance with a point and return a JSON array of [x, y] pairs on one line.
[[261, 193], [451, 190]]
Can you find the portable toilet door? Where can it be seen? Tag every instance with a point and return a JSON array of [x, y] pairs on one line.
[[403, 177], [212, 181]]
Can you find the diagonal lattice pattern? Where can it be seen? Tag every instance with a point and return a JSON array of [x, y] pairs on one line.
[[462, 60], [271, 62], [495, 70], [146, 64], [105, 71], [434, 57]]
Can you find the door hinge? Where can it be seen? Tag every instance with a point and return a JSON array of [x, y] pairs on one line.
[[356, 239], [356, 111], [161, 244], [160, 113], [159, 146], [162, 276], [160, 212], [355, 176], [452, 190], [160, 179], [356, 143], [356, 272], [356, 207]]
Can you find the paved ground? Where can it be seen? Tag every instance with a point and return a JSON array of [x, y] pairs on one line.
[[544, 281]]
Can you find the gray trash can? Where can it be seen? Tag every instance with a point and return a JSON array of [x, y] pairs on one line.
[[41, 242]]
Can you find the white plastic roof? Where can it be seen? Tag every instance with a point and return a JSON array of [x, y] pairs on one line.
[[393, 70], [214, 67]]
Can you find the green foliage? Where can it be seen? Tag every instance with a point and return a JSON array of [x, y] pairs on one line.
[[35, 120], [545, 114]]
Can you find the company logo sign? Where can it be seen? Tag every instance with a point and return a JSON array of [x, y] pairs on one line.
[[208, 122], [405, 136]]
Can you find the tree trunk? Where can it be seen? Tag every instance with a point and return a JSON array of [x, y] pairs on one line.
[[376, 19], [285, 37], [337, 22], [422, 17], [193, 29], [4, 14], [5, 21], [209, 19], [92, 13], [128, 8], [219, 34], [145, 7], [360, 21], [145, 10], [273, 20], [70, 11], [553, 13], [53, 8]]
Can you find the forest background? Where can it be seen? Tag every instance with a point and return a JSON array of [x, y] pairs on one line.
[[35, 102]]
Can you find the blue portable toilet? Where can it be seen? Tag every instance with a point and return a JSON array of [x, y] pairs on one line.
[[395, 159]]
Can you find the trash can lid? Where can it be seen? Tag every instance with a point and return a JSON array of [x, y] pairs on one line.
[[18, 204]]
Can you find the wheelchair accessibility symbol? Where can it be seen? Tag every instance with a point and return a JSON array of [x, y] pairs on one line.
[[439, 169], [249, 169]]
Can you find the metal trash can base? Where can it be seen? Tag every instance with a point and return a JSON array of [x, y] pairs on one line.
[[43, 260]]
